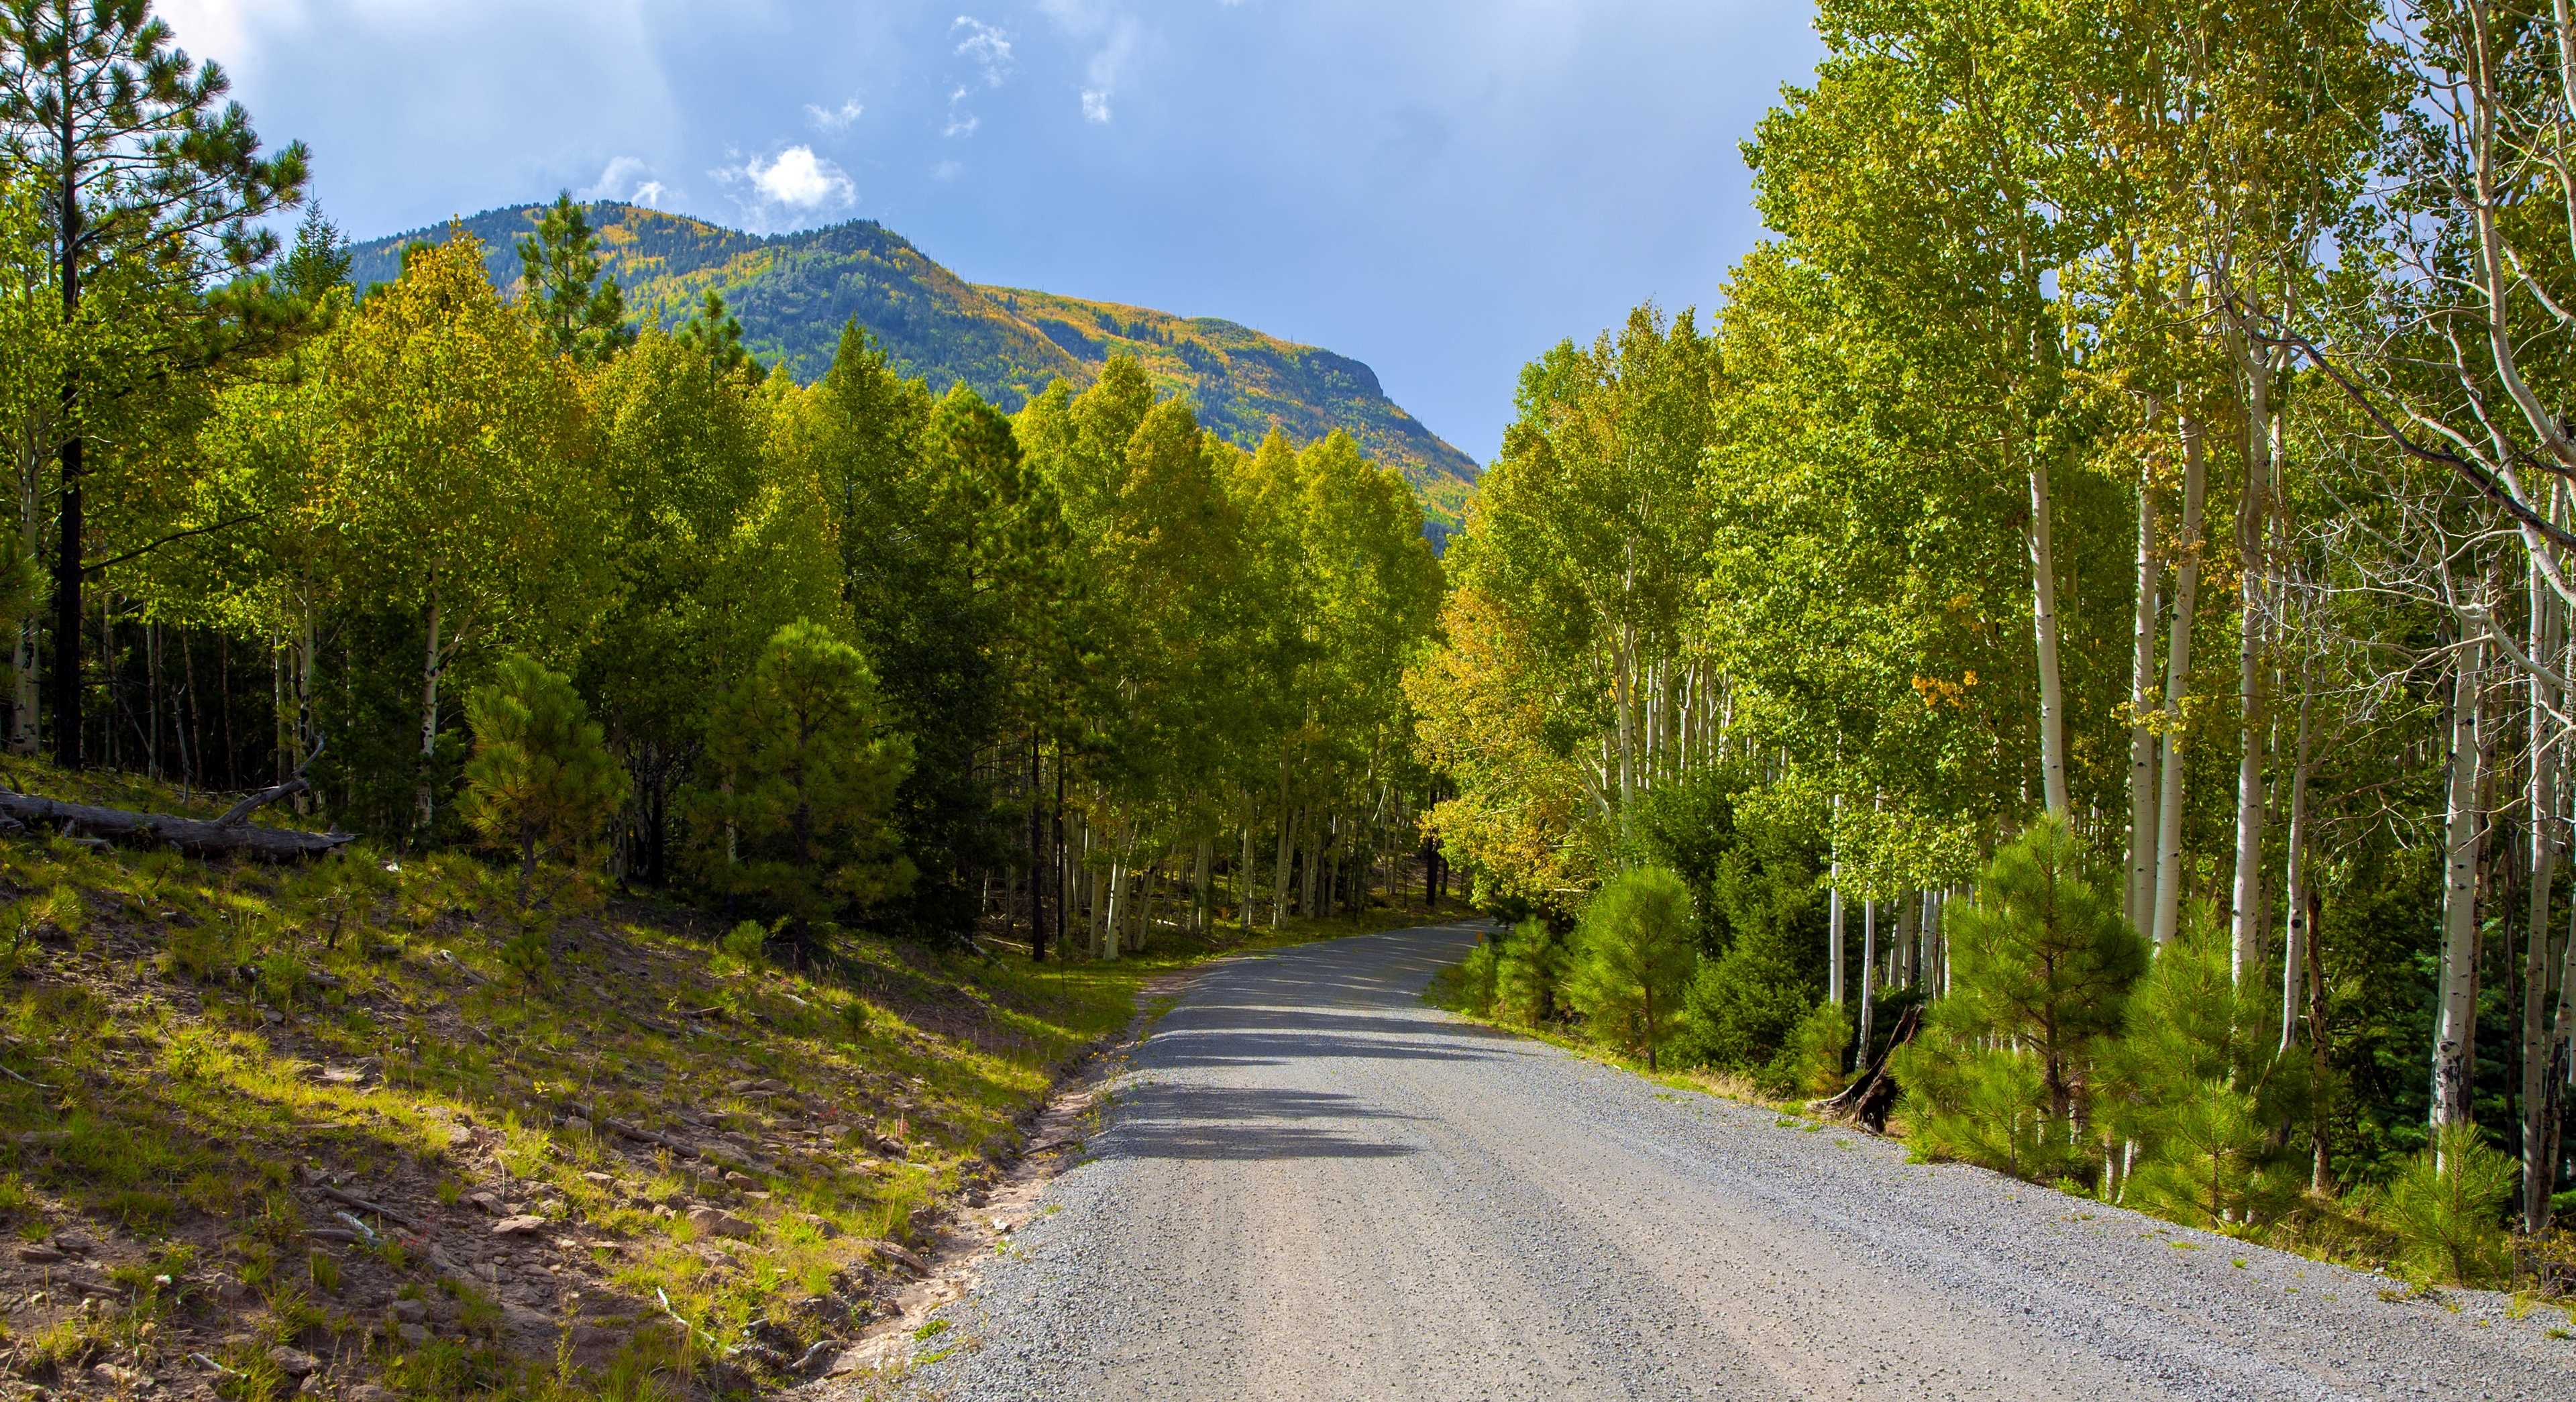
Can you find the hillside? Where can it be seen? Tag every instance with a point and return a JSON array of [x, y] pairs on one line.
[[331, 1126], [794, 293]]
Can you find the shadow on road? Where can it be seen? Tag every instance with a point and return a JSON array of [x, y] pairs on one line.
[[1226, 1123]]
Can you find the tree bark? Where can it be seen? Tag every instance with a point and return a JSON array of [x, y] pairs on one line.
[[2294, 887], [430, 669], [2168, 900], [2539, 1164], [2142, 735], [2453, 1053], [2043, 595], [230, 835], [2245, 934]]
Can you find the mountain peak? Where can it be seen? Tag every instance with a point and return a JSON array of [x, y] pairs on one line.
[[796, 291]]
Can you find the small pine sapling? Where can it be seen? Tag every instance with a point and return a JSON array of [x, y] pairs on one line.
[[1634, 952], [1526, 971], [2041, 965], [542, 778], [2448, 1208]]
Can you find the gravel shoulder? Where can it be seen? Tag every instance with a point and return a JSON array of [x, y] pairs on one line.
[[1309, 1185]]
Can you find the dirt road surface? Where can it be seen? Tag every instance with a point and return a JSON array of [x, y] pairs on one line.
[[1309, 1186]]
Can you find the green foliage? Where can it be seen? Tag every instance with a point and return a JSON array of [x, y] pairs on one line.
[[746, 943], [1811, 1063], [541, 779], [584, 314], [2199, 1084], [1983, 1106], [2041, 957], [802, 775], [1746, 1009], [2447, 1207], [1634, 953], [795, 294], [2040, 964], [1527, 970]]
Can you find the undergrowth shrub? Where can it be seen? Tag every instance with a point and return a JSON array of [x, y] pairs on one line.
[[1633, 955], [1527, 972], [2447, 1208]]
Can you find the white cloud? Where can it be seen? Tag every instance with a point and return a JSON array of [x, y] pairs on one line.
[[798, 178], [947, 170], [626, 178], [649, 194], [795, 183], [987, 47], [989, 50], [1114, 37], [831, 119]]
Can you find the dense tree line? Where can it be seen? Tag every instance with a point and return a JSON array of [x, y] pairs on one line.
[[488, 565], [2101, 570]]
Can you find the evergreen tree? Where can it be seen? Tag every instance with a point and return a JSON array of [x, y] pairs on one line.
[[583, 313], [150, 186], [795, 811], [541, 778], [1633, 955]]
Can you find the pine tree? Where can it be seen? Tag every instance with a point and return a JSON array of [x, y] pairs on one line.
[[795, 814], [584, 314], [1633, 955], [541, 778], [150, 183]]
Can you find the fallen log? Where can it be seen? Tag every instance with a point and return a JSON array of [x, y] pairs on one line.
[[1867, 1100], [230, 835]]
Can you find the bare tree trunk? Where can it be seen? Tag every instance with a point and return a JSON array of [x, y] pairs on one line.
[[2245, 934], [1868, 973], [2294, 892], [429, 674], [2043, 593], [1117, 907], [1834, 923], [2143, 698], [2168, 902], [2539, 1106], [2453, 1047], [1243, 882]]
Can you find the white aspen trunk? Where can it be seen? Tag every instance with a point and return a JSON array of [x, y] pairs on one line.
[[1243, 883], [2294, 887], [2453, 1044], [1834, 924], [1202, 894], [1287, 850], [432, 665], [2245, 933], [2539, 1162], [1868, 976], [2168, 902], [2043, 610], [2144, 696], [1117, 908]]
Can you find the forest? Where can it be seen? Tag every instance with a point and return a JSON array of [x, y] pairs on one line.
[[2068, 655], [2093, 590]]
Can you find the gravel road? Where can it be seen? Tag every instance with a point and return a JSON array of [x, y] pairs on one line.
[[1310, 1186]]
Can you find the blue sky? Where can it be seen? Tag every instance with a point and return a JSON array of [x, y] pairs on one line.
[[1442, 188]]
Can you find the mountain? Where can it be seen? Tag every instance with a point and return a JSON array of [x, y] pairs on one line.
[[794, 293]]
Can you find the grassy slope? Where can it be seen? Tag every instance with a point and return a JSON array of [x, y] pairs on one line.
[[195, 1053], [794, 293]]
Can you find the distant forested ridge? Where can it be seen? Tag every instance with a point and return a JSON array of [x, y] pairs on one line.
[[794, 292]]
